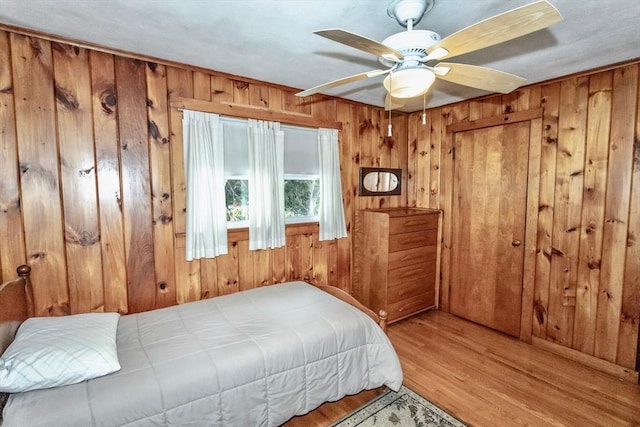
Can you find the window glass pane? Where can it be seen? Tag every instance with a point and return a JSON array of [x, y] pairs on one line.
[[301, 198], [237, 196], [236, 149], [301, 155]]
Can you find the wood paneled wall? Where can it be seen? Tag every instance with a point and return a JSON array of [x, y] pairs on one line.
[[585, 296], [92, 194], [92, 188]]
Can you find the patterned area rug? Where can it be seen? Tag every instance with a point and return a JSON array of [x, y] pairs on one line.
[[405, 408]]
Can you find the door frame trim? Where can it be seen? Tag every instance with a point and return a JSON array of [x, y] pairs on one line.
[[504, 119]]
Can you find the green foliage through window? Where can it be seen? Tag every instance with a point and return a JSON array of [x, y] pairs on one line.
[[301, 198], [237, 196]]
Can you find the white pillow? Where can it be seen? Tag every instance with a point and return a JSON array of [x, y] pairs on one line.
[[54, 351]]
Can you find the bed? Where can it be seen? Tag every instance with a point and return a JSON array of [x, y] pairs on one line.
[[253, 358]]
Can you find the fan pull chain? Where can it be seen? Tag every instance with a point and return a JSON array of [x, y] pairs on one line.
[[424, 108], [390, 126]]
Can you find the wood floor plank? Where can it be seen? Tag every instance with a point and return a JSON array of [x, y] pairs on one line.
[[486, 378]]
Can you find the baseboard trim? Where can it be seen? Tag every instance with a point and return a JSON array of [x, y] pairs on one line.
[[618, 371]]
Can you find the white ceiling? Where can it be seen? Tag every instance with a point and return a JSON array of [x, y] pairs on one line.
[[272, 40]]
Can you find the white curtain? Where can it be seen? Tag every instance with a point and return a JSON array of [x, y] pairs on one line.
[[266, 185], [332, 222], [204, 172]]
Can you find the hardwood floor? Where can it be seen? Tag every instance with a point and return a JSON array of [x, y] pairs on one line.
[[486, 378]]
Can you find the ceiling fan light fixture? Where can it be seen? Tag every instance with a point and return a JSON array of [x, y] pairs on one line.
[[409, 82]]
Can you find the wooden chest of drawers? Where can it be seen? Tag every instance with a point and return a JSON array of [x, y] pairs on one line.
[[395, 260]]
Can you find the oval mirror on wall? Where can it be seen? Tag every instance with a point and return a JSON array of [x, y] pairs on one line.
[[380, 181]]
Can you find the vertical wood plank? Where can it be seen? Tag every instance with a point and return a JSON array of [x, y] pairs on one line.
[[450, 115], [78, 175], [445, 201], [136, 188], [12, 250], [412, 182], [591, 230], [320, 257], [240, 92], [179, 84], [435, 131], [461, 221], [162, 206], [245, 266], [221, 89], [425, 152], [278, 265], [343, 246], [209, 277], [114, 273], [491, 107], [514, 206], [371, 143], [228, 270], [397, 146], [188, 274], [201, 86], [332, 262], [531, 223], [307, 258], [276, 99], [262, 270], [208, 283], [475, 110], [39, 182], [567, 211], [295, 104], [627, 353], [294, 258], [617, 203], [324, 109], [349, 162], [548, 156], [258, 95]]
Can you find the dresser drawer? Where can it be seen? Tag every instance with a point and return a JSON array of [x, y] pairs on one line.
[[425, 270], [412, 256], [408, 289], [401, 242], [411, 305], [410, 223]]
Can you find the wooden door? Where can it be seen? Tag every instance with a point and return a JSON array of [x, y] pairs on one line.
[[488, 221]]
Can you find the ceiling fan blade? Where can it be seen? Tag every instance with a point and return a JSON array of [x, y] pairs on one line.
[[478, 77], [391, 103], [360, 42], [500, 28], [342, 81]]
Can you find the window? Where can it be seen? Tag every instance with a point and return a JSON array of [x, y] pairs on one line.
[[301, 173]]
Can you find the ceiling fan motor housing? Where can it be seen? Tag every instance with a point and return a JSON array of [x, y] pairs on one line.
[[409, 10], [412, 45]]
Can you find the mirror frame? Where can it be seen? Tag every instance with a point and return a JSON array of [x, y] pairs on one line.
[[395, 192]]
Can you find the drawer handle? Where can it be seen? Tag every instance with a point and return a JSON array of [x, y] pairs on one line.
[[410, 273]]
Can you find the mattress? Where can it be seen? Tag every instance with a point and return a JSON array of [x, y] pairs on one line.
[[253, 358]]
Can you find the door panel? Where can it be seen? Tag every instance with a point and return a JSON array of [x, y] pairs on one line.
[[488, 219]]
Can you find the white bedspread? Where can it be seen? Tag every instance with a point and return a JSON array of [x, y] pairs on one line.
[[254, 358]]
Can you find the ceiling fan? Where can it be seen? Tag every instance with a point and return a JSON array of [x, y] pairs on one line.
[[412, 56]]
